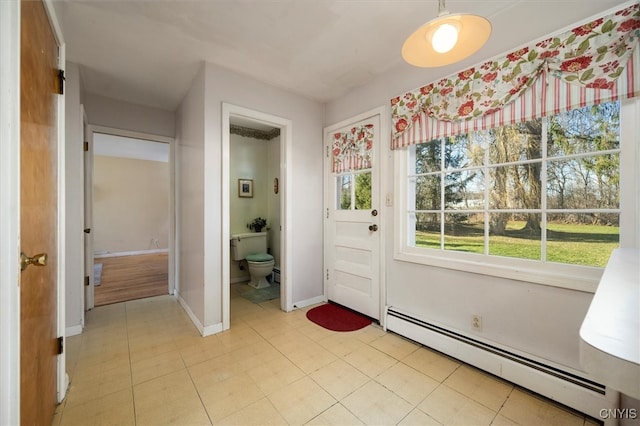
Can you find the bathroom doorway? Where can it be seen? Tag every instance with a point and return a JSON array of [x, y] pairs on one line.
[[255, 151]]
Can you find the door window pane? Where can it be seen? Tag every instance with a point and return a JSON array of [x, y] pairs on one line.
[[343, 192], [363, 191]]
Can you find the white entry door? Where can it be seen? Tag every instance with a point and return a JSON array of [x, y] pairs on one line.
[[352, 214]]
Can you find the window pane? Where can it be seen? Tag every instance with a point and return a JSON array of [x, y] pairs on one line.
[[464, 151], [517, 142], [363, 191], [584, 183], [515, 236], [427, 190], [428, 157], [464, 232], [582, 239], [428, 230], [515, 187], [584, 130], [464, 190], [343, 192]]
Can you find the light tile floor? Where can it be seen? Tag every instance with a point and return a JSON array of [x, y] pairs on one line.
[[144, 363]]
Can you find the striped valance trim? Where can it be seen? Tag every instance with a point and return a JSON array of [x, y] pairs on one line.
[[547, 96]]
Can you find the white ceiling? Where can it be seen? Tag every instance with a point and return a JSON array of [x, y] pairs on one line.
[[148, 52]]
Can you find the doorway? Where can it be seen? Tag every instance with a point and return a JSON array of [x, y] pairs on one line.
[[278, 180], [353, 241], [130, 221]]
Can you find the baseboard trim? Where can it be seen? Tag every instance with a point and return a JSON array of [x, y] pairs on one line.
[[204, 331], [309, 302], [212, 329], [73, 330], [130, 253], [558, 389]]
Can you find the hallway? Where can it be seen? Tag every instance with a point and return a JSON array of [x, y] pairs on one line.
[[125, 278], [143, 362]]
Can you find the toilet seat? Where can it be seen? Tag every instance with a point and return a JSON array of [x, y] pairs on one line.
[[259, 257]]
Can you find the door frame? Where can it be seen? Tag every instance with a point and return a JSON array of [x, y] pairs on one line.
[[384, 198], [286, 147], [171, 238], [87, 217], [10, 217]]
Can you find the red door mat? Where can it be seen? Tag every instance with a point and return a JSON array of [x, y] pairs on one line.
[[336, 318]]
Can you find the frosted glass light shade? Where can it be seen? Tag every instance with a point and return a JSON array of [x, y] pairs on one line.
[[473, 32], [444, 38]]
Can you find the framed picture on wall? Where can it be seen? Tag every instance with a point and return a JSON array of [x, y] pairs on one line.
[[245, 188]]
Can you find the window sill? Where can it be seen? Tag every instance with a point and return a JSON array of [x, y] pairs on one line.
[[579, 278]]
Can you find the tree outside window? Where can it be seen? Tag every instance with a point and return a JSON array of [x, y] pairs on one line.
[[544, 190]]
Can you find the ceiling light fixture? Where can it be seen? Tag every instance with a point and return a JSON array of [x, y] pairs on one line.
[[446, 39]]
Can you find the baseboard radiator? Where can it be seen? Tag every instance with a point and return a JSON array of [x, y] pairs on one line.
[[565, 387]]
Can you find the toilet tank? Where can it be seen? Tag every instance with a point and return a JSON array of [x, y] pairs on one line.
[[243, 245]]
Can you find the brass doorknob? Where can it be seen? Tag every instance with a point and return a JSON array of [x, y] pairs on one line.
[[373, 227], [37, 260]]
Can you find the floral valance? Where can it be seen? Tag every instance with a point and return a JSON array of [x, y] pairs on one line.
[[591, 58], [352, 149]]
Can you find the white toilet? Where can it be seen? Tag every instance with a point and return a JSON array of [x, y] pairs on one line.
[[252, 247]]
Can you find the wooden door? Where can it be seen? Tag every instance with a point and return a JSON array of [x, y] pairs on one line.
[[352, 239], [38, 214]]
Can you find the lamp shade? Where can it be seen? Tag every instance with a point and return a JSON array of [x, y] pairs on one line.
[[473, 31]]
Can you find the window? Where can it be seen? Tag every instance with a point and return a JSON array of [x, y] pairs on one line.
[[514, 196], [354, 190]]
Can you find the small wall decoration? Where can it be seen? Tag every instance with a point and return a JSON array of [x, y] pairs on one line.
[[245, 188]]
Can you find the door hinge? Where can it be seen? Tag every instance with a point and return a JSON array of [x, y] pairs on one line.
[[60, 345], [86, 280], [327, 213], [327, 154], [86, 145], [327, 274], [61, 79]]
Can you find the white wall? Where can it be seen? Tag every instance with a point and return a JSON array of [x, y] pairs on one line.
[[74, 202], [535, 319], [248, 160], [306, 169], [190, 138], [130, 204], [123, 115], [197, 180]]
